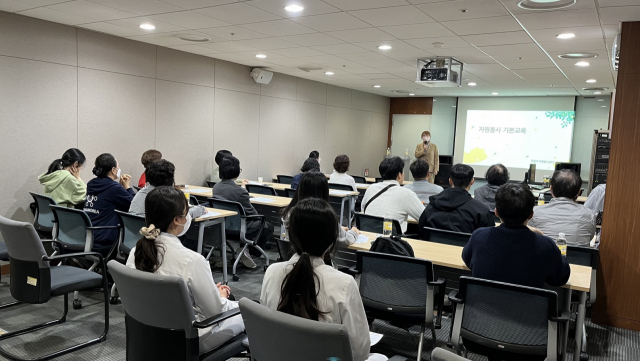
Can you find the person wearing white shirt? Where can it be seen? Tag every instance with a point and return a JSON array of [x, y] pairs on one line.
[[389, 198], [160, 251], [595, 202], [340, 169], [306, 287]]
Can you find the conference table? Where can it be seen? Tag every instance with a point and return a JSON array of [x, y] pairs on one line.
[[212, 217], [449, 256], [536, 193]]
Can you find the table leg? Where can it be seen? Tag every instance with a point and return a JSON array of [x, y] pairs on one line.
[[566, 293], [223, 252], [342, 211], [579, 325], [200, 237], [352, 206]]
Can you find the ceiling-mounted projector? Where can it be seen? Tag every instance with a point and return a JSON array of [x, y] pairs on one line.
[[439, 72], [261, 76]]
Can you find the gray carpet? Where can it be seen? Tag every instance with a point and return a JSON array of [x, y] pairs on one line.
[[605, 343]]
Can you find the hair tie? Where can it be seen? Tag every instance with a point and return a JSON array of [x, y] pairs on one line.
[[150, 233]]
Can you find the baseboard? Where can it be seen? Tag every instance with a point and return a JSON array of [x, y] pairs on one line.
[[4, 269], [619, 322]]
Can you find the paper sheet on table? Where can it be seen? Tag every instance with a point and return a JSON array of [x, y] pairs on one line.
[[200, 191], [262, 199], [209, 214], [338, 192], [256, 183], [362, 239], [375, 337]]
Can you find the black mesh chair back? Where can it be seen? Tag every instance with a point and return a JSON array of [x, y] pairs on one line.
[[130, 231], [277, 336], [72, 231], [379, 180], [368, 223], [232, 223], [259, 189], [4, 255], [505, 320], [446, 237], [340, 187], [495, 218], [44, 215], [547, 197], [359, 179], [210, 184], [284, 179], [290, 192]]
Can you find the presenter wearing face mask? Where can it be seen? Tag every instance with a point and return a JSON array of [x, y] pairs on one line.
[[108, 192], [160, 251], [428, 152]]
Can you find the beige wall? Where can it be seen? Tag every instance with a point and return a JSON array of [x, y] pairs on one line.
[[63, 87]]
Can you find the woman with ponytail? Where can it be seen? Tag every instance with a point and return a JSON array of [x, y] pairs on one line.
[[306, 287], [160, 251], [62, 180]]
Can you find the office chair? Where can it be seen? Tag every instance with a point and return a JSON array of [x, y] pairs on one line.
[[506, 321], [547, 197], [127, 239], [260, 189], [446, 237], [290, 192], [236, 227], [495, 218], [44, 220], [4, 255], [369, 223], [379, 180], [340, 187], [210, 184], [167, 330], [585, 256], [33, 281], [75, 234], [284, 179], [278, 336], [359, 179], [400, 290]]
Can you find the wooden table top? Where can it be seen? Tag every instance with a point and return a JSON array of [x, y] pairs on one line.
[[281, 187], [221, 213], [276, 201], [450, 256]]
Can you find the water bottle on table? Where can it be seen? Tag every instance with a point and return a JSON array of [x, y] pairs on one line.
[[541, 199], [561, 242], [186, 192], [387, 228]]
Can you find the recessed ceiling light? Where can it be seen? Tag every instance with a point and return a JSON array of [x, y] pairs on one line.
[[545, 4], [566, 36], [260, 56], [577, 55], [453, 106], [384, 47], [435, 100], [603, 106], [328, 73], [494, 93], [591, 80], [376, 86], [192, 38], [582, 63], [294, 8], [147, 26], [600, 100], [411, 94], [471, 84], [597, 93]]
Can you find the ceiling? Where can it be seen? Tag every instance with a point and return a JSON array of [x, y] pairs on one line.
[[505, 49]]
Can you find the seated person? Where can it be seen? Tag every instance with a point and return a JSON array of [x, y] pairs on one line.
[[339, 175], [315, 185], [563, 214], [315, 155], [454, 209], [496, 176], [309, 165], [159, 173], [215, 176], [595, 202], [421, 186], [148, 157], [512, 253], [388, 198], [306, 287], [160, 251], [229, 190], [62, 181], [107, 192]]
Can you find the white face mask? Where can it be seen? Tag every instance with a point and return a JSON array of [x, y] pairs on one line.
[[186, 225], [118, 174]]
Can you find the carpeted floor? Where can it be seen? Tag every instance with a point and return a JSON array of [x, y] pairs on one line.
[[605, 343]]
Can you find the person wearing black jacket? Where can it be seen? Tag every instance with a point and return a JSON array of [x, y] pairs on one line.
[[453, 209]]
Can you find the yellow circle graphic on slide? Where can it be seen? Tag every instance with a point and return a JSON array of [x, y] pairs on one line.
[[476, 155]]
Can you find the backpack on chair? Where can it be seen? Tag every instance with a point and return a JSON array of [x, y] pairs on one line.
[[392, 245]]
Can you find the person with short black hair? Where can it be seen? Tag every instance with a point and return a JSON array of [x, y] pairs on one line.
[[215, 176], [454, 209], [421, 185], [496, 176], [563, 214], [228, 189], [512, 253], [389, 197], [309, 165], [340, 169], [147, 158], [315, 155]]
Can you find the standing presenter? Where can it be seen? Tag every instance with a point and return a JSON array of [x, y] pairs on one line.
[[428, 152]]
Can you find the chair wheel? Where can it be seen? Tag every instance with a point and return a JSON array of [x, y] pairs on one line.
[[114, 300], [236, 278], [77, 304], [584, 357]]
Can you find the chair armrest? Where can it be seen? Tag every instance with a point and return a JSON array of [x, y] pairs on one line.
[[216, 319], [453, 297], [245, 343], [440, 281], [563, 318], [350, 270], [255, 216], [103, 227], [77, 254]]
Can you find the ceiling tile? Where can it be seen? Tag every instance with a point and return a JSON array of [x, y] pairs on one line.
[[134, 23], [13, 6], [511, 53], [452, 10], [311, 7], [42, 2], [511, 37], [168, 39], [191, 48], [268, 43], [233, 33], [365, 70], [365, 4], [398, 49], [361, 35], [298, 52], [312, 39], [614, 15], [601, 60], [582, 33], [608, 3], [279, 28], [573, 45], [111, 29], [551, 20], [197, 4], [529, 64], [465, 55], [91, 10], [229, 47], [449, 42], [498, 24], [340, 49], [237, 13], [294, 63], [412, 31], [332, 22], [523, 72], [374, 76], [56, 16], [367, 55], [251, 55], [400, 15], [139, 7], [376, 63], [189, 20]]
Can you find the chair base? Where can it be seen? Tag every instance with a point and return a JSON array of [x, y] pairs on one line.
[[246, 246]]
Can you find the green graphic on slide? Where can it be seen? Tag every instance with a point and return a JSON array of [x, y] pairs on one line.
[[476, 155], [566, 117]]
